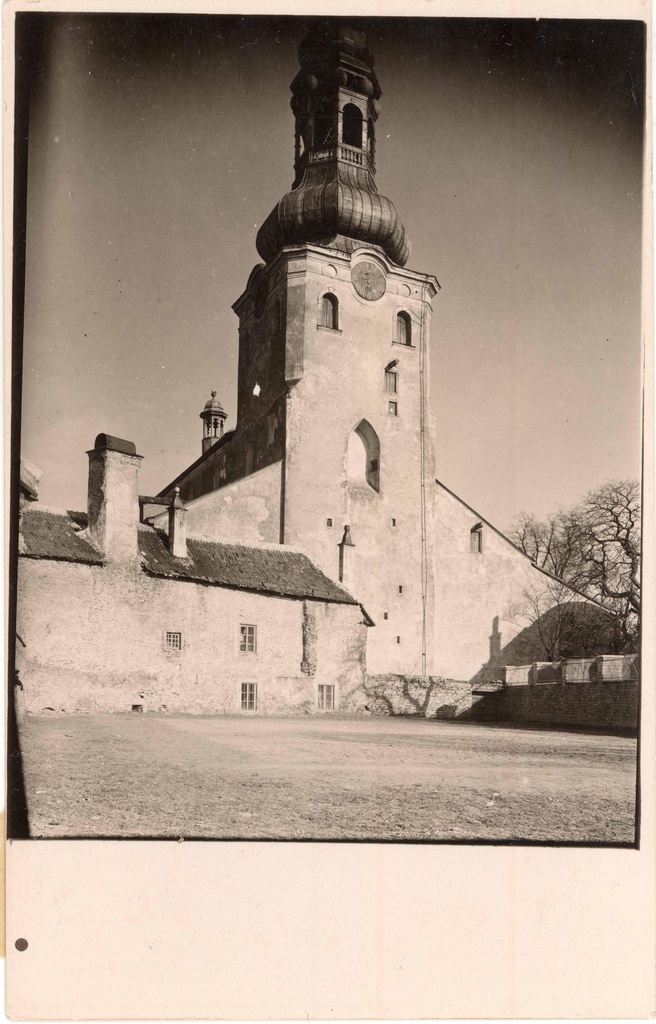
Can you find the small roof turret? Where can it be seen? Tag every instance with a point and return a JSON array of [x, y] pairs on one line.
[[213, 417], [212, 405]]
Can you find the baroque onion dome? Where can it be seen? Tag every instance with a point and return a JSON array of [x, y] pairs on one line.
[[334, 200]]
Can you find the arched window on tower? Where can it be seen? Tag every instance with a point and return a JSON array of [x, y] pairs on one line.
[[371, 139], [352, 126], [325, 125], [363, 457], [329, 315], [403, 329]]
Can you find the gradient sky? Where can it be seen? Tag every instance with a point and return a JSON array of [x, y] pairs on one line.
[[511, 149]]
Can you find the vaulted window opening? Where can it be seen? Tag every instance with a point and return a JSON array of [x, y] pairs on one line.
[[403, 329], [363, 457], [329, 316], [325, 125], [352, 126]]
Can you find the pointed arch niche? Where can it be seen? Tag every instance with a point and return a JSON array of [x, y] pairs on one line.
[[363, 457]]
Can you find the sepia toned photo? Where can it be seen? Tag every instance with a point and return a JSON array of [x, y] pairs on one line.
[[327, 429]]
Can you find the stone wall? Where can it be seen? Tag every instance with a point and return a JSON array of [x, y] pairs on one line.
[[93, 639], [245, 511], [594, 705], [392, 694]]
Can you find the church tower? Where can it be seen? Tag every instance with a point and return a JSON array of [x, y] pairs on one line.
[[333, 422]]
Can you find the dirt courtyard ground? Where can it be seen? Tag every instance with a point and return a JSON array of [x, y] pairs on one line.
[[322, 778]]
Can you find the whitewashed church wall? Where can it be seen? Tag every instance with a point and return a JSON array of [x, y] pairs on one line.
[[472, 589], [246, 511]]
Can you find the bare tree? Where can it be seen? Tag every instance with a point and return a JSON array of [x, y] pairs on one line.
[[557, 624], [610, 517], [594, 548]]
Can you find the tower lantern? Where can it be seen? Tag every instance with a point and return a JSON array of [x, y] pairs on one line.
[[213, 417], [334, 200]]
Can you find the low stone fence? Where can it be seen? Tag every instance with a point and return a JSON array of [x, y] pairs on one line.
[[430, 697], [590, 693], [603, 668]]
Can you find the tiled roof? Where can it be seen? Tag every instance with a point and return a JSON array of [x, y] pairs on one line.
[[50, 534], [272, 570]]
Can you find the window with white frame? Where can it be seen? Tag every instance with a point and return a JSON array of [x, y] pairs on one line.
[[247, 638], [326, 697], [173, 641], [249, 696]]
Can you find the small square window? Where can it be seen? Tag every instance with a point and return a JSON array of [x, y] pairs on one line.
[[173, 641], [249, 696], [392, 408], [248, 639], [329, 522]]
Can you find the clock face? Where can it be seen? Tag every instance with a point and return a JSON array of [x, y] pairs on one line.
[[368, 280]]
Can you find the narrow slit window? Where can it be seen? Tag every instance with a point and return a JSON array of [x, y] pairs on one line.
[[329, 522], [248, 639], [249, 696], [403, 329], [329, 312], [394, 522], [400, 589], [385, 615], [398, 639]]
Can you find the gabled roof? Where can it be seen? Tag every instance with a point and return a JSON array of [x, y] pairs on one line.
[[271, 570], [538, 568], [50, 534], [207, 456]]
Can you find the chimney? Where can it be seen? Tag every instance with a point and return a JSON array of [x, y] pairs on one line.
[[346, 546], [113, 501], [177, 526]]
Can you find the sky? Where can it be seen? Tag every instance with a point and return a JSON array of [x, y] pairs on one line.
[[512, 150]]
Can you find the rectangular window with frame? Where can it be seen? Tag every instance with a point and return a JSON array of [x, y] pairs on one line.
[[247, 639], [173, 641], [249, 696], [326, 697], [391, 382], [392, 409], [476, 541]]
